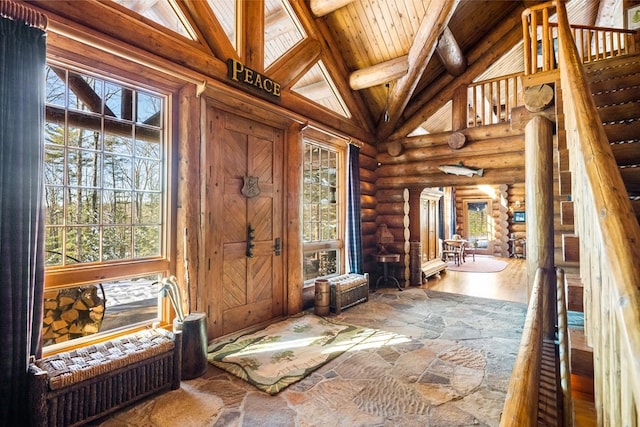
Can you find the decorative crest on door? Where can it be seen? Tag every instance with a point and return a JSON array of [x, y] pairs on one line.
[[250, 188]]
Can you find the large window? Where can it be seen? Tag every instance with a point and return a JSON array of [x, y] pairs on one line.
[[322, 213], [105, 180], [479, 223]]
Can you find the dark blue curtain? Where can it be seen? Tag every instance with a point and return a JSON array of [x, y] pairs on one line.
[[453, 218], [22, 91], [354, 212]]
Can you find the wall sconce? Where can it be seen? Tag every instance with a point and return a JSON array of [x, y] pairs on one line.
[[518, 204]]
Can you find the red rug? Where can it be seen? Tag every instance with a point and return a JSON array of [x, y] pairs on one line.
[[482, 264]]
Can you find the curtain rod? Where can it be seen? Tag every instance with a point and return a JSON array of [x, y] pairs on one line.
[[347, 139], [19, 12]]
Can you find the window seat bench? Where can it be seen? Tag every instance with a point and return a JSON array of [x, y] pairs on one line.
[[82, 385]]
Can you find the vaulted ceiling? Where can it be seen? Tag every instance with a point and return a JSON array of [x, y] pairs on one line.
[[390, 66]]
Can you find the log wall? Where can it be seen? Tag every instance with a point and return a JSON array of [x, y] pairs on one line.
[[497, 149]]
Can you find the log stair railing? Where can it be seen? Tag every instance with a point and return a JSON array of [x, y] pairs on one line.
[[539, 391], [593, 43], [608, 233], [491, 101]]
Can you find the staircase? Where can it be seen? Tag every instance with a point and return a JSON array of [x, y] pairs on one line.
[[615, 85]]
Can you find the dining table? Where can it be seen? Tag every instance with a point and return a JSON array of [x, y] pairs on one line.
[[459, 245]]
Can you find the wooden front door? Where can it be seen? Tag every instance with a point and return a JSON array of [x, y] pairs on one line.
[[244, 212]]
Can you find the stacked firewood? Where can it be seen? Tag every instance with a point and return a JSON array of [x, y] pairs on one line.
[[71, 313]]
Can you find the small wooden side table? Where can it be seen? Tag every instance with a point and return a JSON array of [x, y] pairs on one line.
[[385, 260]]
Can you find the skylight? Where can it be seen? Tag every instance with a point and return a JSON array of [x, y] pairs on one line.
[[282, 30], [318, 87], [225, 12], [163, 12]]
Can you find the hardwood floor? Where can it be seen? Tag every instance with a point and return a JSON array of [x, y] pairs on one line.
[[509, 284]]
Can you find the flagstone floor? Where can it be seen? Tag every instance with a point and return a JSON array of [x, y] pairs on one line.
[[440, 360]]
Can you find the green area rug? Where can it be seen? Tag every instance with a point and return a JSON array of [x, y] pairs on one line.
[[285, 352]]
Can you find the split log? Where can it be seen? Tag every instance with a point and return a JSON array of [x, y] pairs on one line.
[[394, 148], [457, 140], [72, 313], [538, 98]]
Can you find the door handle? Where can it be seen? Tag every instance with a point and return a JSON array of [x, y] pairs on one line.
[[277, 247]]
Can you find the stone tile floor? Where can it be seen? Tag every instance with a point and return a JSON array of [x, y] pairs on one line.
[[437, 360]]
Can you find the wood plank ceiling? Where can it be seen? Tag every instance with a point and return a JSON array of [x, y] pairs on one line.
[[397, 57]]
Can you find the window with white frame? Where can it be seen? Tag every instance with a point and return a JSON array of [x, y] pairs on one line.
[[323, 225], [106, 204]]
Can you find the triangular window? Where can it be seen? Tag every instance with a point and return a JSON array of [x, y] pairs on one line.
[[282, 30], [225, 11], [317, 85], [163, 12]]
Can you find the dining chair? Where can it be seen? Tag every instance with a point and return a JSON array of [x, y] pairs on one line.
[[451, 252]]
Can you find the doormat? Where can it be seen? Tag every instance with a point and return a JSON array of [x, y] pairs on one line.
[[285, 352], [480, 265]]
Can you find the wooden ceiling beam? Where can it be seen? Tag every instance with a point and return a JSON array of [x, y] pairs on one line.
[[335, 64], [424, 44], [450, 53], [486, 52], [447, 49], [320, 8], [251, 31], [212, 32], [288, 69], [380, 73]]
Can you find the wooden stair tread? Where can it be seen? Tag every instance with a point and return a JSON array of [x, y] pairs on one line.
[[627, 154], [571, 248], [621, 96], [636, 207], [581, 353], [624, 131], [615, 83], [584, 412], [574, 292], [593, 68], [618, 112], [631, 177]]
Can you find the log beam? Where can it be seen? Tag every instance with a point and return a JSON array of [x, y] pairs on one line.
[[426, 103], [317, 28], [421, 51], [450, 53], [511, 159], [251, 40], [288, 68], [379, 73], [211, 31], [320, 8], [442, 150], [439, 179]]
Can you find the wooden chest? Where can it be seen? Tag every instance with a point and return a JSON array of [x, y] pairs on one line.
[[348, 290]]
